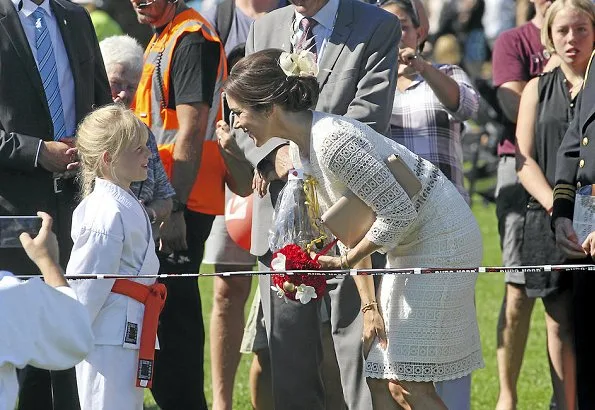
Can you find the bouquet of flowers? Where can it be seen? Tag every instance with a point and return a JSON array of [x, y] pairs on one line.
[[296, 232], [298, 286]]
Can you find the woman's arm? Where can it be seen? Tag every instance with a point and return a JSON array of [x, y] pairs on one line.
[[529, 172], [161, 209], [446, 89], [373, 321]]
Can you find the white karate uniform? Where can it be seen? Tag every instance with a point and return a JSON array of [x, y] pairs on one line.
[[112, 235], [39, 325]]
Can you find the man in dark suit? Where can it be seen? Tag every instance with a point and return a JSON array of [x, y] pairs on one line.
[[575, 174], [52, 76]]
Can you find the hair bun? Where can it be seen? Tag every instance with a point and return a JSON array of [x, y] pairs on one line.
[[301, 92]]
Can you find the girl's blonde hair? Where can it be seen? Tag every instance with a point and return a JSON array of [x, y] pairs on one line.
[[585, 6], [111, 129]]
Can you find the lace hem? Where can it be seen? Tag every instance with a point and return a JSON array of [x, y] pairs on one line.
[[425, 372]]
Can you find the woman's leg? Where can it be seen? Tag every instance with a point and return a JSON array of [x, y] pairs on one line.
[[416, 395], [381, 396], [396, 395], [560, 348]]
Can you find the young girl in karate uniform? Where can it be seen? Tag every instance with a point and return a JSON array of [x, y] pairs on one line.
[[112, 235]]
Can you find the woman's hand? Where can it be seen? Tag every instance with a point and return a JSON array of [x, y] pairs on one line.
[[328, 262], [226, 140], [412, 59], [172, 234], [373, 328]]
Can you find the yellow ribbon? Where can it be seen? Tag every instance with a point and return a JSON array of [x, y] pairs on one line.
[[310, 187]]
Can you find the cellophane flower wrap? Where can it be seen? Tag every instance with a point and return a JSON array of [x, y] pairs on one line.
[[295, 233]]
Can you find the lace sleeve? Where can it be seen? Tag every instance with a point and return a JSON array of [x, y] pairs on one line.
[[352, 160]]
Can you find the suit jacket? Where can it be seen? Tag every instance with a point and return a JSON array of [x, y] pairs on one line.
[[357, 77], [575, 163], [25, 120]]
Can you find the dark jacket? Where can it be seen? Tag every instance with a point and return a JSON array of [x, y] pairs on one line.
[[25, 119]]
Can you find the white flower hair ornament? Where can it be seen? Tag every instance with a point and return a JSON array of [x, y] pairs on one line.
[[300, 64]]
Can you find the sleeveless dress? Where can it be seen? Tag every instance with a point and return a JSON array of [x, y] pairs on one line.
[[555, 110], [430, 319]]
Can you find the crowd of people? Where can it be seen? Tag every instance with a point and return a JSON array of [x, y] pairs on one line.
[[135, 150]]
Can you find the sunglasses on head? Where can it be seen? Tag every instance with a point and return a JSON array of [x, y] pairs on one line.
[[382, 3]]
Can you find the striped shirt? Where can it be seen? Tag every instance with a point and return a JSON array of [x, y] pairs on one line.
[[420, 122]]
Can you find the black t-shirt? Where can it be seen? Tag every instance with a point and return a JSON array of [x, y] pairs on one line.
[[193, 70]]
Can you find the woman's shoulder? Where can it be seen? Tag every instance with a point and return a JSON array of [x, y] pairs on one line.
[[330, 129], [330, 124]]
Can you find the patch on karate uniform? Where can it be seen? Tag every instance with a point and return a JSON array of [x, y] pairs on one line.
[[145, 370], [131, 335]]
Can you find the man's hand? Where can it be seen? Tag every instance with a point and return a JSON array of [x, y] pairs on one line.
[[173, 234], [58, 156], [567, 240]]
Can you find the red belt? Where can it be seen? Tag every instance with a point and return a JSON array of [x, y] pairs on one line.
[[153, 297]]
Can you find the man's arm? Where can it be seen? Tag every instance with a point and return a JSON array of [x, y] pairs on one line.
[[192, 120], [25, 153], [18, 151], [377, 82]]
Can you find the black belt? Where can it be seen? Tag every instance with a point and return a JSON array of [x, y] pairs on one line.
[[59, 179]]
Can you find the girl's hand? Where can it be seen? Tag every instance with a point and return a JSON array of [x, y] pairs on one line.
[[373, 328]]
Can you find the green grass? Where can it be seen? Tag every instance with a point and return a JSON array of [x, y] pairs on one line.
[[534, 383]]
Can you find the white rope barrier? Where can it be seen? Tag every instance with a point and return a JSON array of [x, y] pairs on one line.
[[342, 272]]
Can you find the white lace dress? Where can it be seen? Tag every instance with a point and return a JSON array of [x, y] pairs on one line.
[[430, 319]]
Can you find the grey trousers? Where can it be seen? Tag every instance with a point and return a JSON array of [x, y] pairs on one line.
[[295, 346]]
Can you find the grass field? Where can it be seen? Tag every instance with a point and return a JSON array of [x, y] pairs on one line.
[[534, 383]]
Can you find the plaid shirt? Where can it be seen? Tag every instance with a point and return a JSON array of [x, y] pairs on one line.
[[420, 122], [157, 185]]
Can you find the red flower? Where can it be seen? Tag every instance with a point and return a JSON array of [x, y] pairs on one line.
[[297, 259]]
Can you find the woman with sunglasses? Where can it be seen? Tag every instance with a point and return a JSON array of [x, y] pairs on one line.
[[431, 101]]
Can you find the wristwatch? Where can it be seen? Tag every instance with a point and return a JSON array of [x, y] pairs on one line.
[[178, 206]]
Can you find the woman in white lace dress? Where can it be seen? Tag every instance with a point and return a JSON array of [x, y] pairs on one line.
[[430, 320]]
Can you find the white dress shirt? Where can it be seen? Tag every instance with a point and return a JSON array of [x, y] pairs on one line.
[[322, 31], [24, 9]]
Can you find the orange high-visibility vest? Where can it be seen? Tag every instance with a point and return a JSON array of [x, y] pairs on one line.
[[151, 106]]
